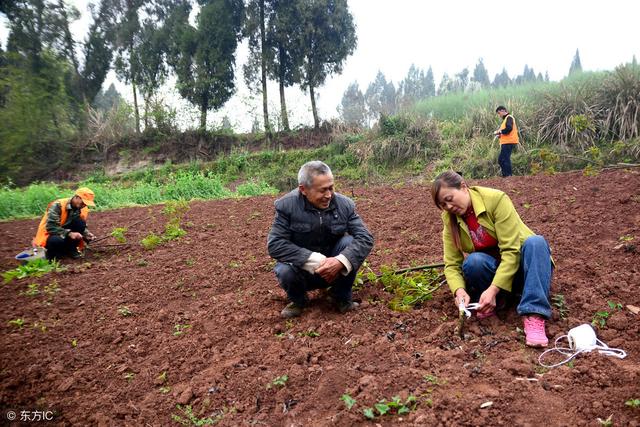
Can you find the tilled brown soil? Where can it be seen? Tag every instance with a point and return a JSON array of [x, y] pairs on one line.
[[91, 364]]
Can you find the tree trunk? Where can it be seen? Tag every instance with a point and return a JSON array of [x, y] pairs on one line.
[[283, 103], [316, 121], [135, 105], [146, 113], [263, 70], [203, 114]]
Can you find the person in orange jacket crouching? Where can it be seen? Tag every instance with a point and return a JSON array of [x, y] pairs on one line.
[[63, 229]]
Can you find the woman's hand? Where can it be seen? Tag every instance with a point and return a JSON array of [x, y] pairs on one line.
[[461, 294], [487, 302]]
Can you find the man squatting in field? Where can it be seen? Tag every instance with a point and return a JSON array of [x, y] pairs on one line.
[[318, 240], [63, 228]]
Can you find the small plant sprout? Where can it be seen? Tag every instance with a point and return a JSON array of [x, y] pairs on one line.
[[36, 268], [124, 311], [18, 323], [74, 343], [129, 376], [118, 234], [280, 381], [33, 289], [349, 401], [310, 333], [180, 329], [162, 377], [560, 304], [395, 406], [606, 423], [614, 305], [188, 418], [431, 379], [633, 403]]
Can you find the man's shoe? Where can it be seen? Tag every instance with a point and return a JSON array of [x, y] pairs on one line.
[[535, 335], [344, 306], [76, 254], [291, 310]]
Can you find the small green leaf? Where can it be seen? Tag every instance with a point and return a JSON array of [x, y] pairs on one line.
[[348, 401], [368, 412]]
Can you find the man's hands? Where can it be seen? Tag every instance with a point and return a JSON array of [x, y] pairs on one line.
[[330, 269], [74, 235], [487, 302]]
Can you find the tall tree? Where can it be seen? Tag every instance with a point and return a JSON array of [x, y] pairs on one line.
[[203, 57], [128, 43], [328, 37], [576, 66], [429, 84], [255, 30], [283, 39], [380, 97], [352, 109], [480, 74], [502, 79]]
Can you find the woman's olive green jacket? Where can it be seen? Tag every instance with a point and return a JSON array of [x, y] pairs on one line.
[[498, 216]]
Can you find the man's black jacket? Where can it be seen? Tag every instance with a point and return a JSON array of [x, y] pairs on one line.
[[299, 229]]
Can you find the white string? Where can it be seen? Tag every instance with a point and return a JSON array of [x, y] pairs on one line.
[[572, 352]]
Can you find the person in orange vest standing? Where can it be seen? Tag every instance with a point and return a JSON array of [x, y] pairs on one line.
[[508, 134], [63, 228]]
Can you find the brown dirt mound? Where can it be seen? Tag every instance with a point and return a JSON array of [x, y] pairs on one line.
[[205, 311]]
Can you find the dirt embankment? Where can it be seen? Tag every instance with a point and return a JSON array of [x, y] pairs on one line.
[[133, 333]]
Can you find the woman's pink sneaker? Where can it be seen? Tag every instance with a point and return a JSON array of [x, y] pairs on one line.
[[534, 331]]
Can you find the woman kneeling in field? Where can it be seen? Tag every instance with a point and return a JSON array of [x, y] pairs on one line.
[[502, 253]]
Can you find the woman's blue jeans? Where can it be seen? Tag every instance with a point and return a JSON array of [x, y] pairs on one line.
[[533, 279]]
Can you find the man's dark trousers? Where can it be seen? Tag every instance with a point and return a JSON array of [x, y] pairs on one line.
[[296, 281], [58, 247], [504, 159]]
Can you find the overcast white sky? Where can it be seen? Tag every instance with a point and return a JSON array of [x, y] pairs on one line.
[[448, 36]]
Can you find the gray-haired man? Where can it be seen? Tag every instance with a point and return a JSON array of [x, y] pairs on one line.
[[318, 240]]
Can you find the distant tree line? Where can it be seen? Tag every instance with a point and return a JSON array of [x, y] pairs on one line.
[[382, 97], [50, 84]]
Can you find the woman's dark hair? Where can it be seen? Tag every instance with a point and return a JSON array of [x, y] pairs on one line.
[[501, 108], [448, 179]]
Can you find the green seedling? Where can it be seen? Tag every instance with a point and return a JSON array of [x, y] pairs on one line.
[[74, 343], [606, 423], [164, 389], [349, 401], [142, 262], [39, 324], [188, 418], [36, 268], [118, 234], [51, 289], [190, 262], [18, 323], [626, 238], [409, 288], [129, 376], [33, 289], [614, 306], [393, 407], [600, 318], [163, 377], [151, 241], [310, 333], [124, 311], [280, 381], [633, 403], [560, 304], [431, 379], [289, 324], [180, 329]]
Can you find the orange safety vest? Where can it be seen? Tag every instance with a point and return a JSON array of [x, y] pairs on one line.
[[42, 235], [511, 137]]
